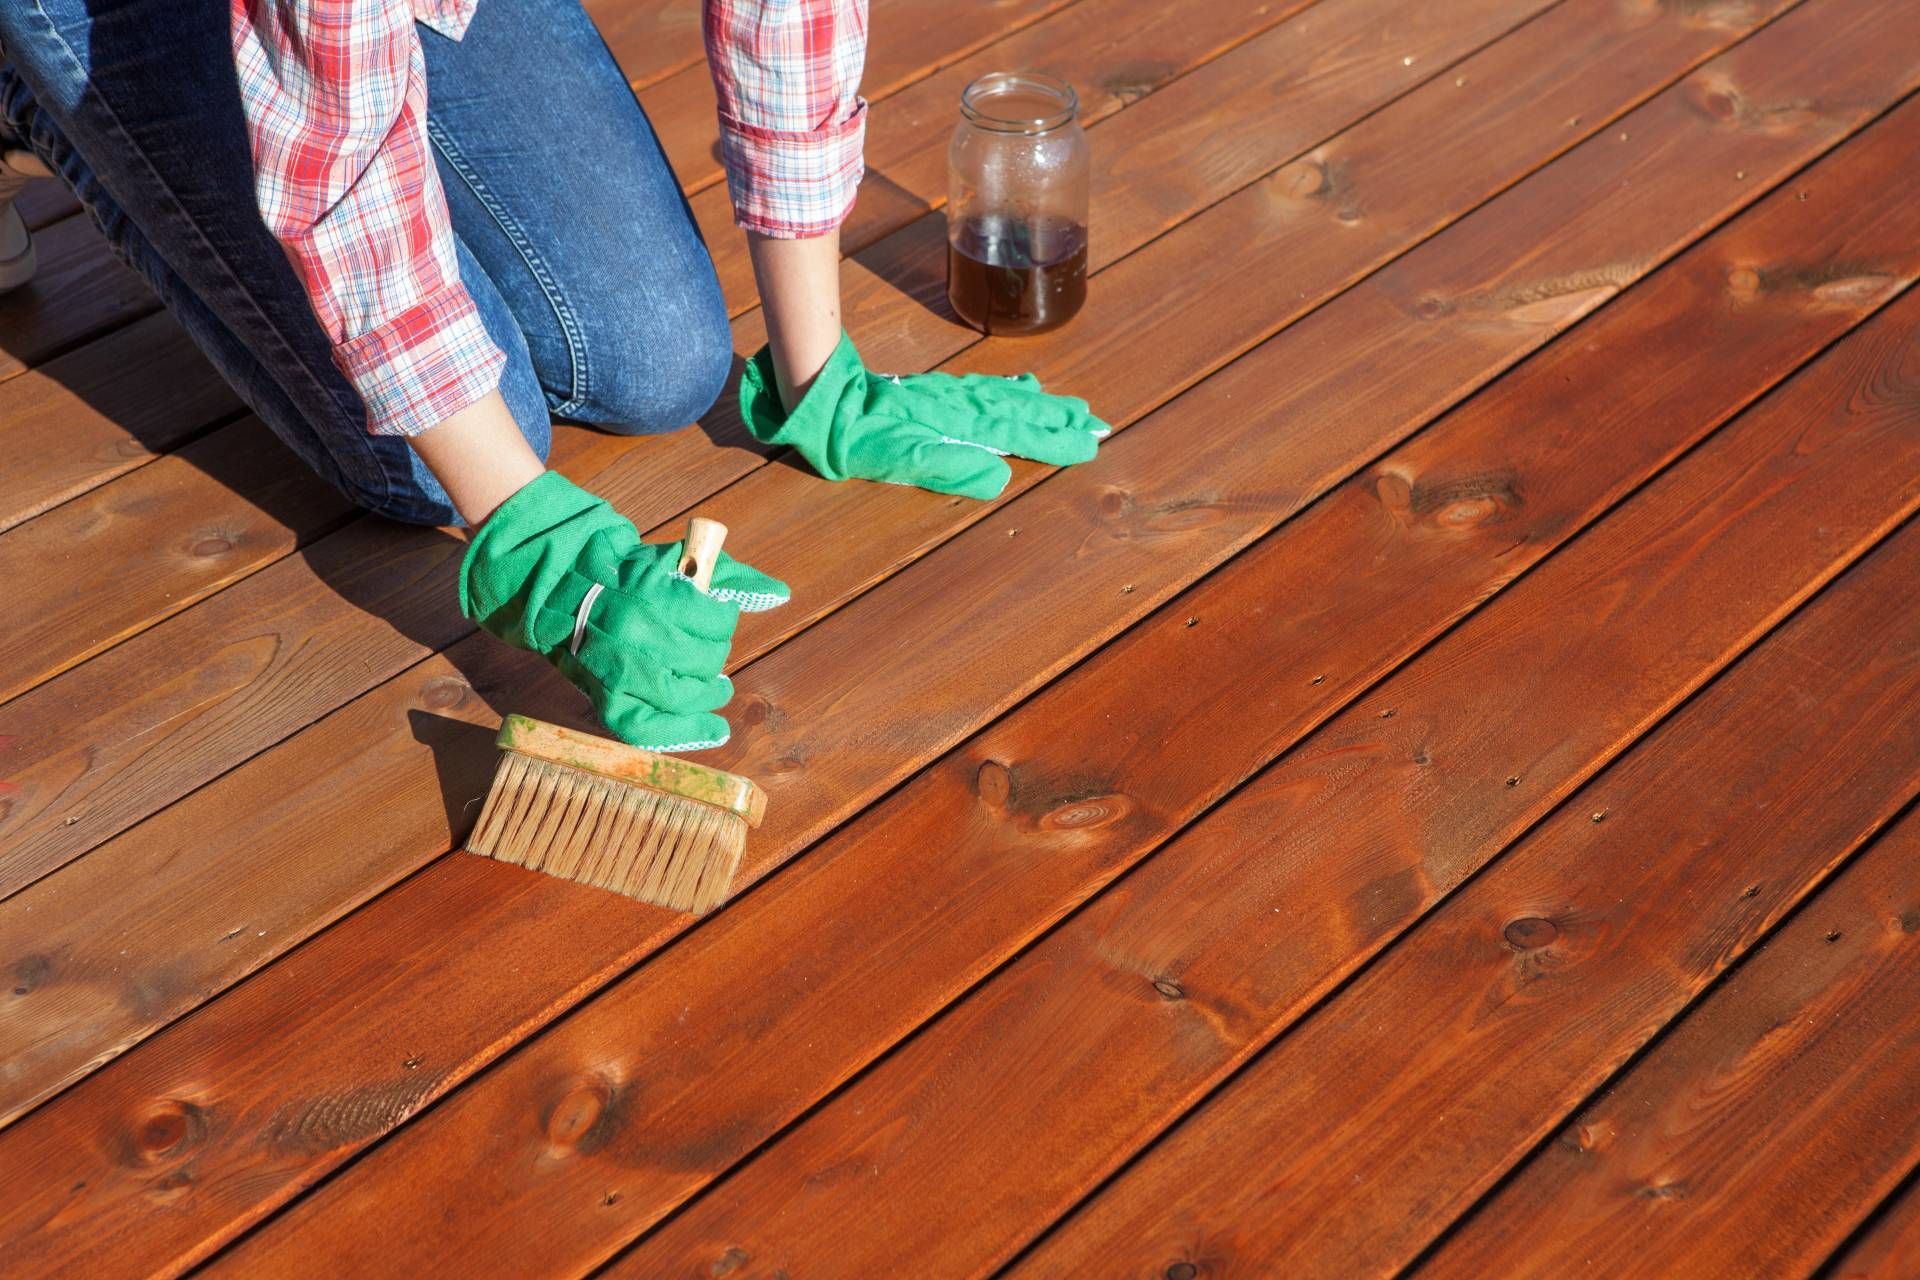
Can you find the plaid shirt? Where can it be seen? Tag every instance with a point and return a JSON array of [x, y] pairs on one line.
[[335, 96]]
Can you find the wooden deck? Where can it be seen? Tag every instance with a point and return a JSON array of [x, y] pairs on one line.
[[1435, 795]]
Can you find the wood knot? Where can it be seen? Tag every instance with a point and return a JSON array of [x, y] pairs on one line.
[[1169, 988], [579, 1121], [169, 1127], [1719, 104], [1529, 933], [30, 973], [993, 783], [792, 762], [1305, 179], [444, 692], [1086, 813], [209, 547], [1182, 1271]]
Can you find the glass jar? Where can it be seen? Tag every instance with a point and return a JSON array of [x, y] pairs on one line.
[[1017, 177]]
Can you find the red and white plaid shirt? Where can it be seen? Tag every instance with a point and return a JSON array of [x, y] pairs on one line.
[[335, 95]]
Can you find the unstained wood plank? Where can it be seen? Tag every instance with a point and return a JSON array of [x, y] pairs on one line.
[[79, 292], [110, 563], [243, 670], [92, 415], [1773, 1119], [974, 857]]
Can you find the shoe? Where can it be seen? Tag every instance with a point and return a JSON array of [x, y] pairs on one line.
[[17, 261]]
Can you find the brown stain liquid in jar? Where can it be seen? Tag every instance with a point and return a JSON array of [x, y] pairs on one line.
[[1018, 179], [1009, 278]]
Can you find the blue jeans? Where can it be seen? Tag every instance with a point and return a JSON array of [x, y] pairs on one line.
[[574, 239]]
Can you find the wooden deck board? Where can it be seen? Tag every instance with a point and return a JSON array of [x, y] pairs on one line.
[[1886, 1247], [1754, 1138], [831, 579], [1320, 226], [1324, 859], [1407, 1095], [1066, 826]]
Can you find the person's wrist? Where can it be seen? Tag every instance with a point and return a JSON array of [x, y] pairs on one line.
[[799, 284], [480, 457]]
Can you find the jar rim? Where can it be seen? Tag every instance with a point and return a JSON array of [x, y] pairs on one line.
[[976, 98]]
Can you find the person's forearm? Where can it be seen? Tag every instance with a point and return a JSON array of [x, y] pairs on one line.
[[479, 457], [800, 296]]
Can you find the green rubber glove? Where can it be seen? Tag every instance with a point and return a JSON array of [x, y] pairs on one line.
[[933, 430], [558, 571]]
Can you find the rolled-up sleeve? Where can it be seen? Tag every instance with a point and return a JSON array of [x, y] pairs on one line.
[[335, 97], [792, 122]]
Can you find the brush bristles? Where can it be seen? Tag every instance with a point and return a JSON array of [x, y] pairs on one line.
[[579, 826]]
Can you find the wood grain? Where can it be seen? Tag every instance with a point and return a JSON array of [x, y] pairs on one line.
[[245, 668], [1152, 993], [1348, 1147], [92, 753], [1889, 1246], [884, 923], [650, 39], [79, 1050], [80, 292], [44, 203], [1756, 1136], [601, 944], [90, 416], [482, 1012], [1182, 301], [114, 561]]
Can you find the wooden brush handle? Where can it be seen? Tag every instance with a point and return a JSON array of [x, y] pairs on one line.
[[704, 537]]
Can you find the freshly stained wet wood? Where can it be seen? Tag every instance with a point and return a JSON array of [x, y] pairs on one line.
[[945, 880], [629, 942], [1116, 53], [1409, 1094], [665, 480], [235, 1108], [93, 415], [1887, 1246], [114, 561], [1754, 1138], [751, 643], [1215, 945]]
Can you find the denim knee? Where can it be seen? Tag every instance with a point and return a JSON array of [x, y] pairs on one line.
[[654, 367]]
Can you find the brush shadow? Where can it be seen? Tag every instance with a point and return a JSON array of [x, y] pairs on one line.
[[463, 761]]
